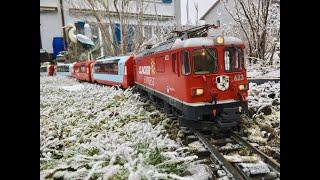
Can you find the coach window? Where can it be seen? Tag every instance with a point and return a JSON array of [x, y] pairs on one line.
[[204, 61], [233, 59], [174, 63], [185, 63], [82, 69], [43, 69], [106, 68], [160, 64]]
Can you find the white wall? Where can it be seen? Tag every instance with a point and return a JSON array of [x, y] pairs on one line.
[[50, 25], [51, 22], [220, 13]]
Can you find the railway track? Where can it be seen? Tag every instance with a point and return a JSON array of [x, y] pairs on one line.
[[260, 167], [263, 80], [252, 165]]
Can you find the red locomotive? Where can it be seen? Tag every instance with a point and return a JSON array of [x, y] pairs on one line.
[[200, 78], [203, 79]]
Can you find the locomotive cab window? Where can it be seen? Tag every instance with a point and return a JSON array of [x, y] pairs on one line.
[[233, 59], [204, 61], [185, 63]]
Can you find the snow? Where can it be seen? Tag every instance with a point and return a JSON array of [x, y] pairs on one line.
[[256, 168], [203, 41], [76, 87], [263, 127], [235, 158], [259, 70], [90, 131]]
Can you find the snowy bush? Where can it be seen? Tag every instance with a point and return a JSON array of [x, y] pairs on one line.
[[90, 131], [264, 107]]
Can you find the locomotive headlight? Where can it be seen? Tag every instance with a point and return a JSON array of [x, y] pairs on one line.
[[219, 40], [242, 87], [197, 92]]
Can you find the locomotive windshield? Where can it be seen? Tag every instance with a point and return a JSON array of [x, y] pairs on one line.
[[233, 59], [204, 61]]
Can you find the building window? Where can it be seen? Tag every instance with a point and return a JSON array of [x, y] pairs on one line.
[[147, 32], [185, 62]]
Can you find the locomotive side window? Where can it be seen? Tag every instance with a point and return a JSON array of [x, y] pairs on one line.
[[174, 63], [160, 64], [203, 62], [233, 59], [185, 63]]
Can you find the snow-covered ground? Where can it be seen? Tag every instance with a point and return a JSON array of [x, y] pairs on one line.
[[261, 71], [264, 125], [95, 132]]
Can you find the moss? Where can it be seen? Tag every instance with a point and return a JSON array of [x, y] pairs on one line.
[[121, 175], [92, 151], [120, 161], [174, 168], [155, 157]]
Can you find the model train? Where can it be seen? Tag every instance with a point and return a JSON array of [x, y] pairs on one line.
[[200, 78]]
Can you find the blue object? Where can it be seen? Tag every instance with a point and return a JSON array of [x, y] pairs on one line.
[[118, 78], [117, 32], [167, 1], [80, 25], [129, 38], [57, 45]]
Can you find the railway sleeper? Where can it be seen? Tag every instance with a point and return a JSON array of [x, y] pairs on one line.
[[191, 138]]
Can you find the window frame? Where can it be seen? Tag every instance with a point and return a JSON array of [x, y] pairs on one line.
[[174, 63], [240, 59], [80, 68], [217, 63], [182, 62], [106, 66]]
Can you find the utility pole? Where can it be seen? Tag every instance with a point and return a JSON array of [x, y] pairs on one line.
[[63, 24], [187, 12]]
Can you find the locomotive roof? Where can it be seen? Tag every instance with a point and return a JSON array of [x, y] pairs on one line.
[[191, 42], [121, 59]]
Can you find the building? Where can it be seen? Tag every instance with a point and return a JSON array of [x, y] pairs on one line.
[[157, 13], [217, 14]]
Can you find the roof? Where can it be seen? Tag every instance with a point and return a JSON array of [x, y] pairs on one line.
[[121, 59], [48, 8], [207, 12], [217, 2], [191, 42], [204, 41]]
